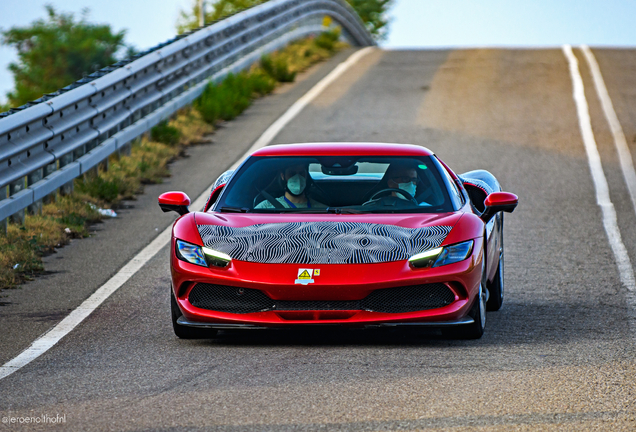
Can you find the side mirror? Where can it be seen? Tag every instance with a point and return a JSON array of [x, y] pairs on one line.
[[174, 201], [499, 201]]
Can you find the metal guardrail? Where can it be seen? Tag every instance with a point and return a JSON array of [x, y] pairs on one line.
[[61, 136]]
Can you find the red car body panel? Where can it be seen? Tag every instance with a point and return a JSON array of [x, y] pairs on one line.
[[336, 281], [343, 149], [277, 281]]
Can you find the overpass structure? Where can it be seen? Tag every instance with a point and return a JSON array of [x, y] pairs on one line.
[[47, 143]]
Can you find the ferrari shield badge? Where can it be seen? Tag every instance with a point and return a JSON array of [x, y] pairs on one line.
[[305, 276]]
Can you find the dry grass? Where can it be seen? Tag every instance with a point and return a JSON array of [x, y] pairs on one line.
[[23, 246], [192, 126], [306, 52]]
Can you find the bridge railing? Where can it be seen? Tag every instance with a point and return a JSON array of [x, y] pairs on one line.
[[49, 142]]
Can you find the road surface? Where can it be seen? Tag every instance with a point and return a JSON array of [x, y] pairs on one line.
[[559, 354]]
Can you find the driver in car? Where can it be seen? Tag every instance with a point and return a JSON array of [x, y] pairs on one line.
[[294, 179]]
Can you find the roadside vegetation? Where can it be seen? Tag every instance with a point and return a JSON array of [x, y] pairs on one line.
[[68, 216], [372, 12], [56, 51]]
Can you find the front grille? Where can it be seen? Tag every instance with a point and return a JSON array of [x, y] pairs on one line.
[[229, 299], [409, 298], [389, 300]]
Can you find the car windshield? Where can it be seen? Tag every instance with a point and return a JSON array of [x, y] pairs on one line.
[[337, 184]]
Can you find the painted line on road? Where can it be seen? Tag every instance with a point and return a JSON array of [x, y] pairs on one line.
[[624, 155], [271, 132], [610, 223], [64, 327]]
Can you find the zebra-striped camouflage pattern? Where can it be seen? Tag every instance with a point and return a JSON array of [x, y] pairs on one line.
[[322, 242]]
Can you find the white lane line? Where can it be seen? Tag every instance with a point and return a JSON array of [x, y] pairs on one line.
[[610, 224], [271, 132], [624, 155], [64, 327]]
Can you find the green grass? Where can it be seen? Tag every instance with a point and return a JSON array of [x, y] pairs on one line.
[[166, 134], [277, 68], [328, 40], [232, 96]]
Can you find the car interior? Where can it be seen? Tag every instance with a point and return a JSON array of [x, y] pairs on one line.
[[334, 182]]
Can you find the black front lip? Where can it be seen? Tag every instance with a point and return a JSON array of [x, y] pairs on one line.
[[221, 326]]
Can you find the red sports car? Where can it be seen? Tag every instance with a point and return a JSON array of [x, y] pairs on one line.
[[349, 234]]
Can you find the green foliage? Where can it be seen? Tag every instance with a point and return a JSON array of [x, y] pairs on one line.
[[57, 51], [189, 20], [373, 14], [97, 187], [232, 96], [166, 134], [327, 40], [277, 68]]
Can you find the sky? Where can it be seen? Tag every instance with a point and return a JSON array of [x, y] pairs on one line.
[[415, 23]]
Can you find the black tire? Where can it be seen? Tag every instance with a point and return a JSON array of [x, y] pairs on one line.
[[477, 313], [184, 332], [496, 289]]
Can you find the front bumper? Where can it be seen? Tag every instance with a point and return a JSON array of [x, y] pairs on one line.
[[334, 283]]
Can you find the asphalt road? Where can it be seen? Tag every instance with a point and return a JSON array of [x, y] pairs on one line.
[[559, 354]]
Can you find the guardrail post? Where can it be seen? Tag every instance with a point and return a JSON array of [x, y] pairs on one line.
[[34, 177], [14, 188], [68, 187], [3, 195], [87, 148], [48, 170], [125, 150]]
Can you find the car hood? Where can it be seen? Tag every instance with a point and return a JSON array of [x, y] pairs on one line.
[[323, 239]]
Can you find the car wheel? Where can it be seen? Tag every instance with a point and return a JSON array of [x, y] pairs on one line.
[[184, 332], [478, 313], [496, 289]]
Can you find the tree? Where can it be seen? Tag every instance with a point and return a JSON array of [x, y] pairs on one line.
[[372, 12], [55, 52], [220, 9]]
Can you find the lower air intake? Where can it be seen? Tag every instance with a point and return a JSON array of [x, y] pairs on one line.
[[237, 300]]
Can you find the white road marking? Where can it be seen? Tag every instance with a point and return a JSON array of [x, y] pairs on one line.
[[624, 155], [64, 327], [271, 132], [610, 224]]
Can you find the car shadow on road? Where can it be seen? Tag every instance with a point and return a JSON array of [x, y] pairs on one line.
[[515, 324]]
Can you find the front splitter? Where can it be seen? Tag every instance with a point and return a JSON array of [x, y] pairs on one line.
[[222, 326]]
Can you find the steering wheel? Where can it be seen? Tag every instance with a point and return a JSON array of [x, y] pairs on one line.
[[405, 194]]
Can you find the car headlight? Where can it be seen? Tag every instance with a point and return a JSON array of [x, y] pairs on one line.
[[201, 256], [442, 255]]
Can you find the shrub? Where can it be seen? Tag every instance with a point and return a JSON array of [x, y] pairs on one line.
[[226, 100], [98, 187], [277, 68], [328, 39], [261, 83], [166, 134]]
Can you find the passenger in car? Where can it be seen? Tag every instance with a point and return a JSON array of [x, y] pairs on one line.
[[403, 177], [294, 180]]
